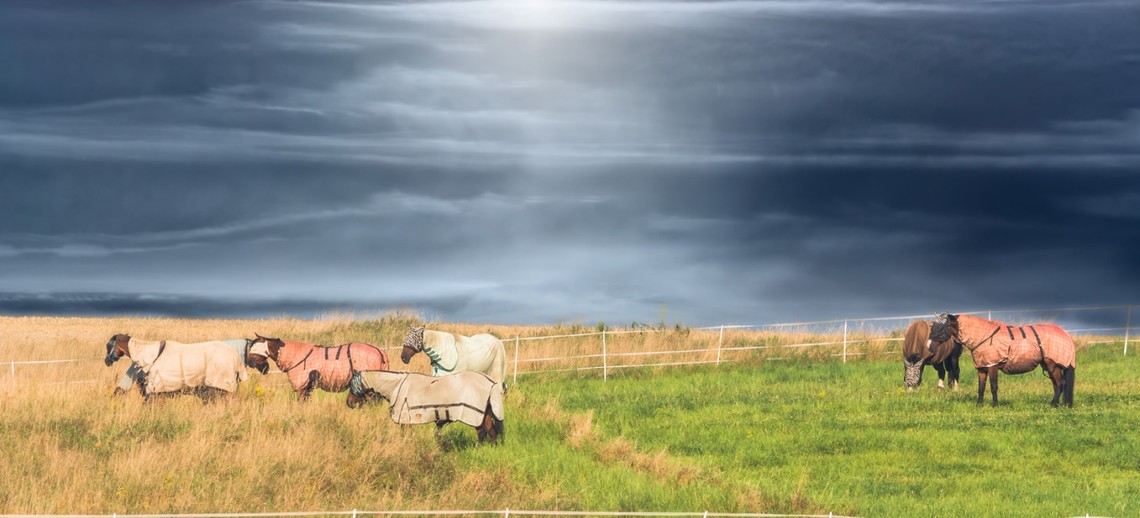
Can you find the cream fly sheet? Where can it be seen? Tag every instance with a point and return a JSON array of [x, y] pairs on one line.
[[420, 399], [452, 353], [178, 366]]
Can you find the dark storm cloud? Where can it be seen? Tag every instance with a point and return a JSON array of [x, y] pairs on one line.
[[541, 161]]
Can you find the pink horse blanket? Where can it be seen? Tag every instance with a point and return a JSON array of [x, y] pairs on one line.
[[335, 364], [1016, 349]]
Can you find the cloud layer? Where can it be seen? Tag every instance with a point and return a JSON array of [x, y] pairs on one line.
[[569, 160]]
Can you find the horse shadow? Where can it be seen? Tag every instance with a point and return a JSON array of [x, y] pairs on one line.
[[456, 440]]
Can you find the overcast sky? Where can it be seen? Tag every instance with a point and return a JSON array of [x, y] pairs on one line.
[[581, 161]]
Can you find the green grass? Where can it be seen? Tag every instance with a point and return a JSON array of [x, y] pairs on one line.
[[846, 438]]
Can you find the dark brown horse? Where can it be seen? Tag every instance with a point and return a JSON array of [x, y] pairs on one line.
[[997, 346], [916, 356], [312, 366]]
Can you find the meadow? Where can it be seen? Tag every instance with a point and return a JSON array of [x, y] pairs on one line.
[[774, 430]]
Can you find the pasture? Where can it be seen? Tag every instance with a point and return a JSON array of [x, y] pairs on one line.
[[803, 434]]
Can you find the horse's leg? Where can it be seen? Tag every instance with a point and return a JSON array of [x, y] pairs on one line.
[[140, 380], [941, 368], [993, 382], [210, 394], [307, 390], [954, 368], [1053, 371], [982, 385], [439, 433], [1070, 375]]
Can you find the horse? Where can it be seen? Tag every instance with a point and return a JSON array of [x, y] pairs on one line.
[[205, 368], [468, 397], [451, 353], [916, 357], [136, 376], [997, 346], [312, 366]]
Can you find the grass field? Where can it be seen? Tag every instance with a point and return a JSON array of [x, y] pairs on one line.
[[807, 434]]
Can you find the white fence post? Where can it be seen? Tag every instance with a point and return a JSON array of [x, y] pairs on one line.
[[719, 344], [515, 379], [844, 341], [604, 364], [1127, 327]]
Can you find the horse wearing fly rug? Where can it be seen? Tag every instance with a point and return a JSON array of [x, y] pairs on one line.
[[916, 356], [136, 376], [997, 346], [172, 367], [451, 353], [468, 397], [312, 366]]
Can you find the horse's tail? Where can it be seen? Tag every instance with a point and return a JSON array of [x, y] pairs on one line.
[[500, 366], [1070, 375], [496, 423]]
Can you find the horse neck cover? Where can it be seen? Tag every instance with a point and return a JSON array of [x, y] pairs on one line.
[[440, 347], [143, 352]]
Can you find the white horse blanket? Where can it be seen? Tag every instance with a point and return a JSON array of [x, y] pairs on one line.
[[420, 399], [452, 353], [178, 366]]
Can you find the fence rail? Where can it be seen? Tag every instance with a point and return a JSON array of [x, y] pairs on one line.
[[603, 358]]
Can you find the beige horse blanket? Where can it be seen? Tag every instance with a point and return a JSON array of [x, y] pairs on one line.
[[420, 399], [172, 366], [1016, 349]]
